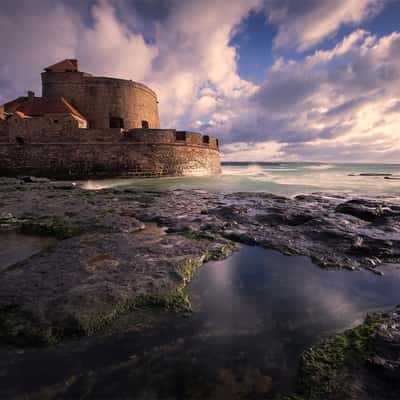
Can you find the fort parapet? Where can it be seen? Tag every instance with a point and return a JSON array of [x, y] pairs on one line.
[[87, 126], [60, 150]]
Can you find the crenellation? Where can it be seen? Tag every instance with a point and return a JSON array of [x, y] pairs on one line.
[[87, 126]]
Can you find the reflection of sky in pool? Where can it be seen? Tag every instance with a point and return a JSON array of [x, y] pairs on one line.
[[255, 313], [267, 285], [281, 300]]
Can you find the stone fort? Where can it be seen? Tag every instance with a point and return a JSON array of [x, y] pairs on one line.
[[88, 126]]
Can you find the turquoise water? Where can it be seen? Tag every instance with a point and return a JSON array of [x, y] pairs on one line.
[[280, 178]]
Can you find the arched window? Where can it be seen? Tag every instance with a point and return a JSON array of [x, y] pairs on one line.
[[145, 124]]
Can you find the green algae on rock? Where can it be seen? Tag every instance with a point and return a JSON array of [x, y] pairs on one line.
[[345, 365], [49, 226], [108, 267], [52, 226], [102, 276]]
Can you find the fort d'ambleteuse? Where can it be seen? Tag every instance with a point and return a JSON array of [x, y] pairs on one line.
[[87, 126]]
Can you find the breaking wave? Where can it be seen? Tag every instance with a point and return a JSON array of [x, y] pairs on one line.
[[320, 167]]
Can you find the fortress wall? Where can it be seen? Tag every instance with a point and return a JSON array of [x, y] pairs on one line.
[[98, 98], [169, 136], [42, 129], [65, 130], [84, 160], [3, 131], [150, 135], [62, 145]]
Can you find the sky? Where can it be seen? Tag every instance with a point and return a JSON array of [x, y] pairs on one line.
[[274, 80]]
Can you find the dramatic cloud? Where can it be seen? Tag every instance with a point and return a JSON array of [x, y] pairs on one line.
[[33, 34], [336, 104], [303, 24], [340, 103], [183, 51], [196, 66], [109, 46]]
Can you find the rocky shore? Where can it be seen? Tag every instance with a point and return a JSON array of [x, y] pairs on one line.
[[121, 249], [361, 363]]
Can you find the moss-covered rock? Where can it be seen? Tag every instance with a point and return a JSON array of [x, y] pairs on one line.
[[49, 226], [20, 327], [328, 370], [42, 226], [141, 271], [224, 247]]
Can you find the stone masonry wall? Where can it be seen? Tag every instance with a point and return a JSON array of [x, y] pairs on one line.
[[99, 98], [82, 153], [42, 129]]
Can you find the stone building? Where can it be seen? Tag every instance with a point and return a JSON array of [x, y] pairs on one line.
[[106, 102], [86, 126]]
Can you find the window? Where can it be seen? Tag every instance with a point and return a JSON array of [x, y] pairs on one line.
[[206, 139], [145, 124], [180, 135], [116, 122], [217, 141], [19, 140]]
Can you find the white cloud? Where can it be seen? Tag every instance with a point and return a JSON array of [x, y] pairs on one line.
[[32, 39], [109, 48], [342, 103], [194, 42], [339, 104], [243, 151], [190, 51], [303, 24]]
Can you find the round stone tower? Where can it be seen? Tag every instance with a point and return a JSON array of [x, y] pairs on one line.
[[105, 102]]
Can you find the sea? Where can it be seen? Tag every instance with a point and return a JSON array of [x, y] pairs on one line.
[[284, 178], [255, 312]]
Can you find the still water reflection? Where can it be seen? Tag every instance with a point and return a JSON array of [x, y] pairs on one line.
[[255, 313]]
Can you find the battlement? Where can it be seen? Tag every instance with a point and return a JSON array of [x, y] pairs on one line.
[[66, 129], [105, 102], [88, 126]]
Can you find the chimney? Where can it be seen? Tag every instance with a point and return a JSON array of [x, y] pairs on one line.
[[31, 94], [74, 62]]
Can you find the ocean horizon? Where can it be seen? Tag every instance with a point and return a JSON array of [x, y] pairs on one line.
[[283, 178]]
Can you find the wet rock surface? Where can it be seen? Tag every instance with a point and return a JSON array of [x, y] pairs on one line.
[[110, 258], [105, 263], [86, 281], [362, 363], [334, 232]]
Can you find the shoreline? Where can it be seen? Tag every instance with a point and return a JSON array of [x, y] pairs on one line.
[[105, 263]]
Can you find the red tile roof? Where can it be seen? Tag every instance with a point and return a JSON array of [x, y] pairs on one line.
[[66, 65], [38, 106]]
